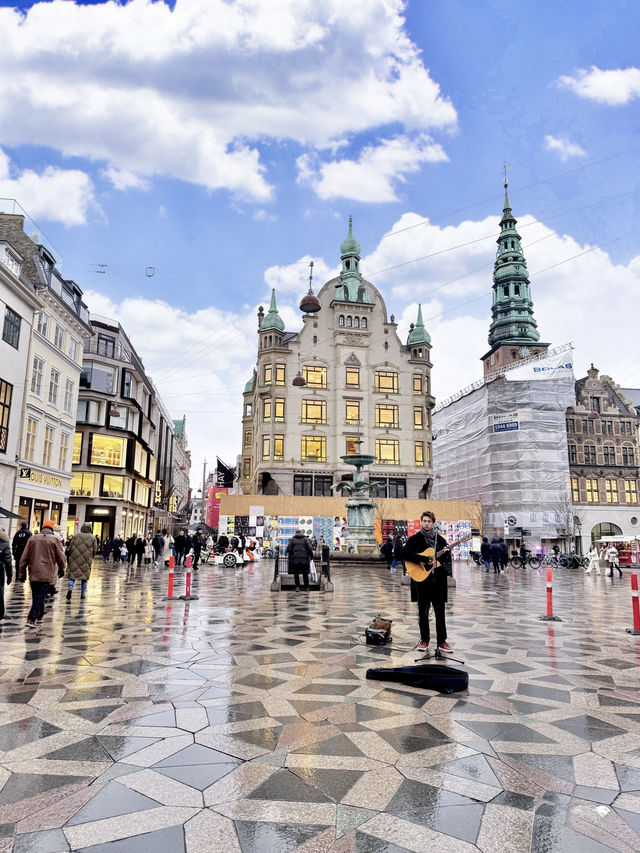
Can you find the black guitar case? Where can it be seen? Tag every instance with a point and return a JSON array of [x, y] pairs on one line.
[[434, 676]]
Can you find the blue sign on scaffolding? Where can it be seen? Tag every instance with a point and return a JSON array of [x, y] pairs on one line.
[[507, 426]]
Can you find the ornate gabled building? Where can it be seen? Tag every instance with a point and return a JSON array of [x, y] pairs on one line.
[[604, 458], [513, 333], [345, 376]]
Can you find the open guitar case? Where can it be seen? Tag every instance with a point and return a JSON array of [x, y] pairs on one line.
[[434, 676]]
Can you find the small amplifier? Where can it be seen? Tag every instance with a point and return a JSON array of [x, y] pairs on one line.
[[378, 633]]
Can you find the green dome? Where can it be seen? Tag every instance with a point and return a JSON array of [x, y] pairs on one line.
[[248, 388], [350, 246], [272, 319], [419, 335]]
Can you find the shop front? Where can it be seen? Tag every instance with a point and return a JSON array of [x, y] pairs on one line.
[[41, 496], [628, 548]]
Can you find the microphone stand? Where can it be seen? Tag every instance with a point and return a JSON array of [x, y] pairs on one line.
[[438, 656]]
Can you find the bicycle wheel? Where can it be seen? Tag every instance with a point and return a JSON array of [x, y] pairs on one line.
[[534, 562], [516, 562]]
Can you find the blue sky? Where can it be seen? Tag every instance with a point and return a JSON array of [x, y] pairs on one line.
[[204, 152]]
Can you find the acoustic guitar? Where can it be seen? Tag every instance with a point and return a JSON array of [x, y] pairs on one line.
[[419, 571]]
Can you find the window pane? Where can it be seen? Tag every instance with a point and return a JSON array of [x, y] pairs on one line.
[[387, 451], [11, 328], [314, 448], [630, 492], [267, 374], [36, 376], [386, 415], [316, 377], [248, 438], [279, 409], [112, 487], [352, 411], [98, 377], [278, 447], [280, 374], [314, 412], [83, 484], [575, 491], [418, 419], [386, 381], [30, 439], [266, 409], [419, 453], [353, 377], [6, 393], [47, 447], [417, 383], [266, 447], [351, 444], [107, 450], [77, 448]]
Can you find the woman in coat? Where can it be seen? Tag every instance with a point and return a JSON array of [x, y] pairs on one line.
[[300, 555], [167, 548], [594, 560], [81, 551]]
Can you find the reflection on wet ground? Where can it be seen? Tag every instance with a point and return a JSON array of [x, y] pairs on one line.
[[243, 721]]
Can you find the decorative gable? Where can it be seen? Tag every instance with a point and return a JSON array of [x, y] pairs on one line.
[[352, 360]]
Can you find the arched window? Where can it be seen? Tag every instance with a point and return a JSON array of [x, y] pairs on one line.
[[356, 322], [605, 528], [363, 323], [349, 321], [420, 353], [341, 320], [347, 264]]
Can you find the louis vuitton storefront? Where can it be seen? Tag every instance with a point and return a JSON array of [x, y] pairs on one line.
[[41, 495]]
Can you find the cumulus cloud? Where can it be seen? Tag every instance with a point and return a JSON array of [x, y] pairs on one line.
[[55, 195], [373, 175], [563, 147], [123, 180], [615, 86], [192, 92]]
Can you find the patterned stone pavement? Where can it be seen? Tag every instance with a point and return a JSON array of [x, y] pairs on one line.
[[242, 722]]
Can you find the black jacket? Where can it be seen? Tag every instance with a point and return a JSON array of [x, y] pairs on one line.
[[485, 551], [6, 566], [19, 543], [437, 580], [299, 551]]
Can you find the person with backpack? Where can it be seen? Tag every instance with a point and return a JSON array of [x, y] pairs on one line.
[[157, 543], [19, 542]]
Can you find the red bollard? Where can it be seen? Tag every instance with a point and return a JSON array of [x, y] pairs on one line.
[[187, 562], [170, 596], [636, 606], [172, 562], [188, 585], [187, 596], [550, 617]]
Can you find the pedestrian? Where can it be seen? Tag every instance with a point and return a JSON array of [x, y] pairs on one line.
[[198, 542], [116, 548], [504, 555], [325, 552], [180, 543], [157, 543], [433, 591], [485, 553], [19, 542], [398, 547], [496, 554], [6, 566], [82, 549], [613, 560], [556, 554], [386, 549], [300, 555], [223, 543], [131, 548], [139, 546], [167, 546], [594, 560], [41, 556], [106, 549]]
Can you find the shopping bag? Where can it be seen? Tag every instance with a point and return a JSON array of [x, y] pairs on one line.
[[312, 572]]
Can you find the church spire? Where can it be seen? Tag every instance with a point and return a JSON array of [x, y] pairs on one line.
[[350, 287], [272, 319]]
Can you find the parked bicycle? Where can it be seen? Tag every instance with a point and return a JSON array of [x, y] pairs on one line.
[[530, 560], [573, 561]]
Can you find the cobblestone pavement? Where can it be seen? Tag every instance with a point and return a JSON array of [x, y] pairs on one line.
[[243, 721]]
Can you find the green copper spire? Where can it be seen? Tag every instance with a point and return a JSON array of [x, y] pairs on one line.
[[512, 309], [351, 288], [272, 319], [419, 335]]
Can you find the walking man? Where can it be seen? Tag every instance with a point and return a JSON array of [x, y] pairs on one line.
[[81, 551], [41, 557], [198, 542], [433, 591], [19, 543], [300, 555], [180, 543], [6, 566]]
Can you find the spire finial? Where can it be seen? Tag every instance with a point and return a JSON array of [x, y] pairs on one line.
[[310, 274], [507, 204]]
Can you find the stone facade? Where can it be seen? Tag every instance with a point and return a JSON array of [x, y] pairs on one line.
[[361, 383], [604, 459]]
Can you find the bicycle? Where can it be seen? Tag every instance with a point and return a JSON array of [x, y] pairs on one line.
[[529, 560]]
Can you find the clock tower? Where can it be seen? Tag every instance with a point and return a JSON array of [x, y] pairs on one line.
[[513, 334]]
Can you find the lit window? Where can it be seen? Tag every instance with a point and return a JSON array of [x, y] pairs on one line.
[[631, 491], [83, 485], [352, 377], [266, 409], [417, 383], [352, 411], [266, 447], [351, 445], [278, 448], [113, 487], [64, 451], [107, 450], [267, 374], [47, 448], [316, 377], [6, 392], [313, 448], [281, 373], [418, 417], [30, 439], [575, 491], [592, 491], [278, 412], [611, 491], [248, 438], [419, 453], [387, 451], [385, 381], [77, 448], [36, 376], [314, 412], [386, 415]]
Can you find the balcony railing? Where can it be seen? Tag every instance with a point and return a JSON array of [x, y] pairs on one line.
[[107, 349]]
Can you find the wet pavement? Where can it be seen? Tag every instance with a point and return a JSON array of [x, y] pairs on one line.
[[242, 722]]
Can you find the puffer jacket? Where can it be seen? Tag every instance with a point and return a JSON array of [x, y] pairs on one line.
[[81, 551], [43, 555], [299, 551], [6, 566]]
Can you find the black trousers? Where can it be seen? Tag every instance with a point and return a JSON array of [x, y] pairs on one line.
[[1, 601], [305, 575], [39, 591], [428, 596]]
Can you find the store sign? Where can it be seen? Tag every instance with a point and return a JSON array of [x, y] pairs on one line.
[[40, 477], [506, 423], [158, 491], [173, 504]]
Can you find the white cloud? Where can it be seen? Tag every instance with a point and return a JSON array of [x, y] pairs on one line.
[[564, 147], [614, 87], [294, 278], [56, 195], [373, 175], [192, 92], [123, 180]]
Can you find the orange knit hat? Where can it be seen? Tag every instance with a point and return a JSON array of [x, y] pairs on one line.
[[48, 523]]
